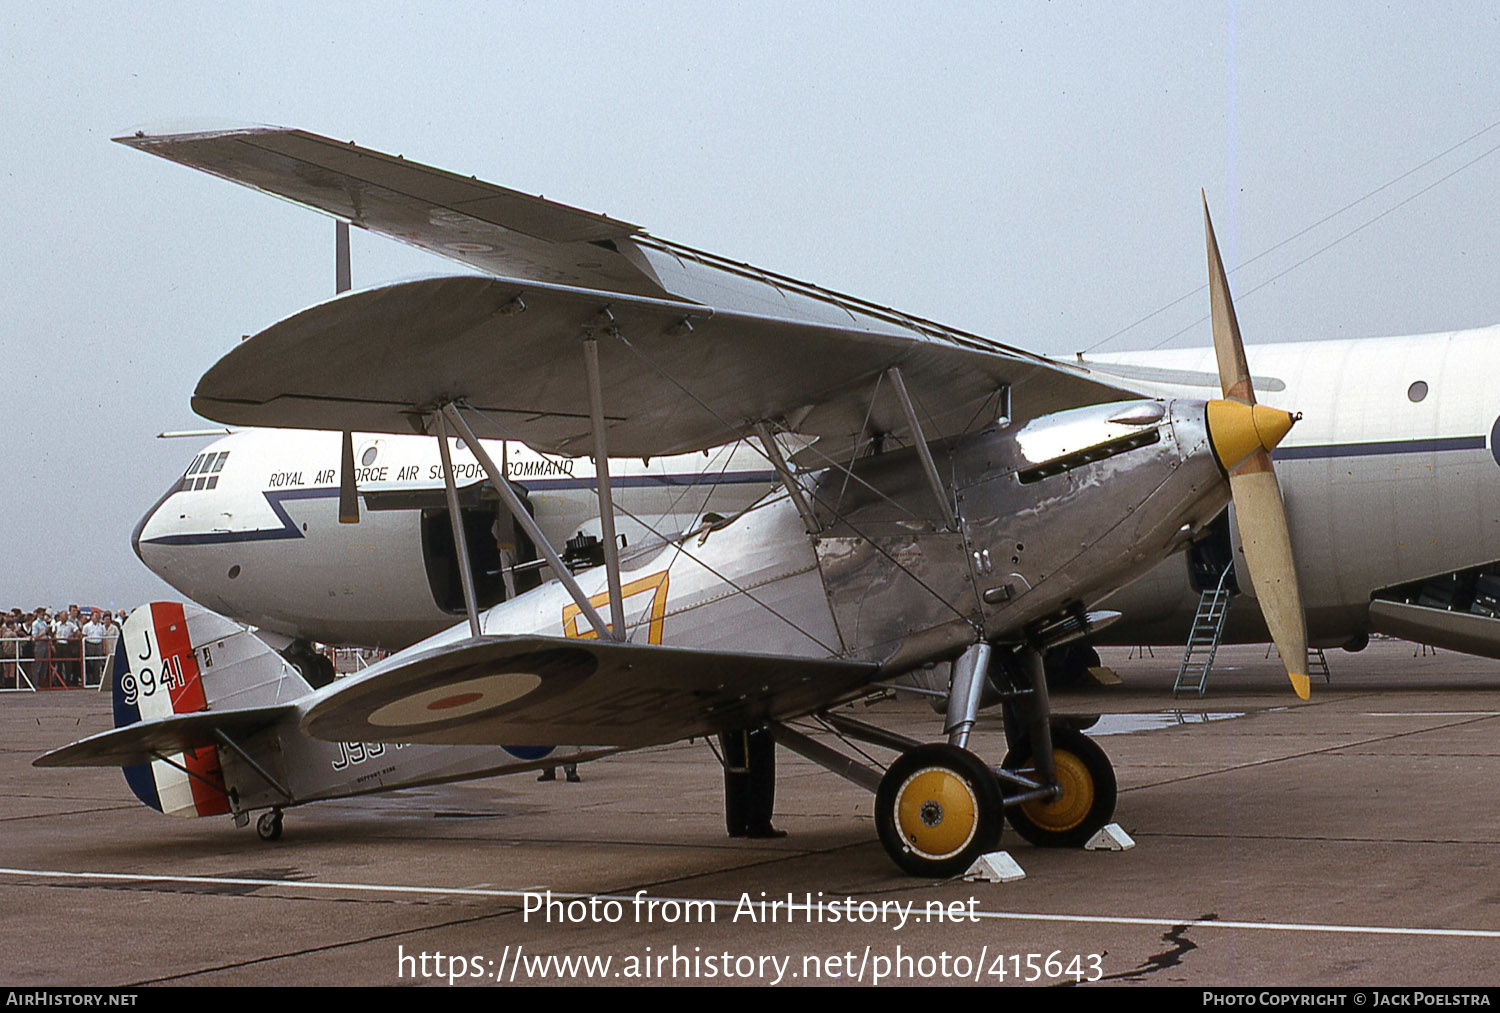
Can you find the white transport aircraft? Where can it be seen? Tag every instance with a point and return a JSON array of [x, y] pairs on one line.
[[252, 529], [1392, 486]]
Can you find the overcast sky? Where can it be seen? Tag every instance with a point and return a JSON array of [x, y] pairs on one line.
[[1027, 171]]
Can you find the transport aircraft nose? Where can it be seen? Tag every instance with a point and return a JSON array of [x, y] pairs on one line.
[[145, 522]]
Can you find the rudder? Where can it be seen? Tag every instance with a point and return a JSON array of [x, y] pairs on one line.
[[180, 659]]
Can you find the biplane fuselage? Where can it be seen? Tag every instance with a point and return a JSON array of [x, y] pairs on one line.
[[885, 580], [887, 585]]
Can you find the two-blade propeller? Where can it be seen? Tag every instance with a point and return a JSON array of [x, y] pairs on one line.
[[1244, 436]]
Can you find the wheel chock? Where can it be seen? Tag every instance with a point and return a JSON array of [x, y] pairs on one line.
[[1105, 676], [1111, 837], [994, 867]]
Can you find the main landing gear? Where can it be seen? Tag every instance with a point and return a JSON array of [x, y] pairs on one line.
[[1085, 797], [938, 807]]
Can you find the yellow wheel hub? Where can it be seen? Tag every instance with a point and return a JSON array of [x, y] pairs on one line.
[[937, 812], [1071, 807]]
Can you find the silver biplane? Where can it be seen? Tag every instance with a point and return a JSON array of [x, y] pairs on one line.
[[950, 498]]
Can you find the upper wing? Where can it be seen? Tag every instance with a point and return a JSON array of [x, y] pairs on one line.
[[676, 376], [489, 227], [538, 691], [701, 347]]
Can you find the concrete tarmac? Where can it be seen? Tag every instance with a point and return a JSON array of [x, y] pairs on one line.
[[1349, 841]]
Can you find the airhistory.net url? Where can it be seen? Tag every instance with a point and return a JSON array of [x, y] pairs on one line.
[[680, 964]]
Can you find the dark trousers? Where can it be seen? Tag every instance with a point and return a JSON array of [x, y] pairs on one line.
[[749, 782], [41, 666]]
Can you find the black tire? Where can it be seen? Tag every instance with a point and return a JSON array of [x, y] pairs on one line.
[[268, 826], [938, 809], [1088, 799], [315, 668]]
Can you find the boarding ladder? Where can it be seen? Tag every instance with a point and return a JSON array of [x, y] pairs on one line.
[[1317, 662], [1203, 639]]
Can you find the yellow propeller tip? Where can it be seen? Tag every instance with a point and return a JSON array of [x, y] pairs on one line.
[[1301, 684]]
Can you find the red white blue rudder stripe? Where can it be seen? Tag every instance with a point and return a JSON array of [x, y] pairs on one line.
[[156, 674]]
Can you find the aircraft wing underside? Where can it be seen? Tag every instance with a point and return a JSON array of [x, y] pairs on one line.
[[536, 691], [675, 376]]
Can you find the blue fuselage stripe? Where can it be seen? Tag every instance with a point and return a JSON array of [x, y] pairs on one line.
[[1375, 449], [277, 497]]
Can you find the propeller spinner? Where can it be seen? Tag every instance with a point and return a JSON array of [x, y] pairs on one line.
[[1244, 434]]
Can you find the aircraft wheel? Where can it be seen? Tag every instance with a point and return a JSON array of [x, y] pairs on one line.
[[1088, 793], [938, 809], [268, 827], [314, 667]]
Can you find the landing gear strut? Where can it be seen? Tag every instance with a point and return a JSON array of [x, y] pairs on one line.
[[939, 806], [1060, 788]]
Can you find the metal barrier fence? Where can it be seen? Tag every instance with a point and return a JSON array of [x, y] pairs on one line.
[[27, 665], [348, 660]]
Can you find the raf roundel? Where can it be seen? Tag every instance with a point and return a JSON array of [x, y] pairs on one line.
[[456, 700]]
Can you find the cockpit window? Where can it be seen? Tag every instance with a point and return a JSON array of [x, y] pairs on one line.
[[203, 473]]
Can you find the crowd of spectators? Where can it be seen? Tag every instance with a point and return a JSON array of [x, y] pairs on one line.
[[59, 650]]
